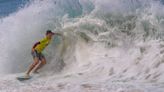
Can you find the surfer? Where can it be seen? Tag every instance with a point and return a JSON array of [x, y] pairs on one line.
[[37, 52]]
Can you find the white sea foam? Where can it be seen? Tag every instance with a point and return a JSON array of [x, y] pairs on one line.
[[108, 46]]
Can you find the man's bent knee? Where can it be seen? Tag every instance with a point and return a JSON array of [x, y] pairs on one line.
[[43, 61]]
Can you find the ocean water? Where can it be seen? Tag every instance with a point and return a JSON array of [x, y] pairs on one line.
[[108, 45], [10, 6]]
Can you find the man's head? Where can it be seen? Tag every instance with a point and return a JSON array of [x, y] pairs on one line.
[[49, 34]]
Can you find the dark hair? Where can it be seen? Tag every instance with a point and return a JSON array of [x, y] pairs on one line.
[[48, 31]]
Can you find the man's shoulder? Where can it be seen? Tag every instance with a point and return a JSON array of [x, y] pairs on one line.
[[43, 39]]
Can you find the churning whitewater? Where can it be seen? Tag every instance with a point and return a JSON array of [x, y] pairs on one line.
[[108, 46]]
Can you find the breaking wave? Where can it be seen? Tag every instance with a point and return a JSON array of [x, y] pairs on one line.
[[103, 38]]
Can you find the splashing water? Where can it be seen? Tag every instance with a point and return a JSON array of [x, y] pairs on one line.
[[108, 45]]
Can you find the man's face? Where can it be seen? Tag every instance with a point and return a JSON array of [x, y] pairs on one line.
[[49, 35]]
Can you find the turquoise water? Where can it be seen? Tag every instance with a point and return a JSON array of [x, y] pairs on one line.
[[10, 6]]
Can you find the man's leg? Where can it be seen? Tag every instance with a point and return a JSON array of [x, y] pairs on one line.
[[43, 62], [36, 61]]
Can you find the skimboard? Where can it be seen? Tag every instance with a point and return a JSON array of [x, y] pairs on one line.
[[23, 78]]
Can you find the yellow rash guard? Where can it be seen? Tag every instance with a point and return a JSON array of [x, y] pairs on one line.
[[43, 43]]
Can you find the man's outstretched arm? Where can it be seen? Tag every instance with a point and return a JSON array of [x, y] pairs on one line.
[[58, 34]]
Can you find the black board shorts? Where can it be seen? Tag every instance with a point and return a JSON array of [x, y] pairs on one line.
[[35, 54]]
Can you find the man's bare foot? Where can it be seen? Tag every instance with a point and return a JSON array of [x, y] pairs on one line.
[[27, 76]]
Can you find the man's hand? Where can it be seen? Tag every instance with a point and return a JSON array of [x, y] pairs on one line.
[[33, 50], [59, 34]]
